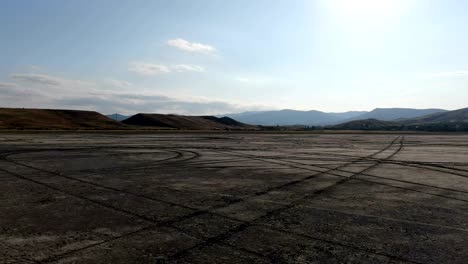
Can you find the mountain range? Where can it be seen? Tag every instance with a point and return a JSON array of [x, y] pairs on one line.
[[289, 117], [397, 119], [448, 121]]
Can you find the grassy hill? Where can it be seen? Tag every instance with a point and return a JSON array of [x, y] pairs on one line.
[[186, 122], [394, 114], [19, 118]]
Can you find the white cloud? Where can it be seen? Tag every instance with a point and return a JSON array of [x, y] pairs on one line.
[[187, 67], [190, 46], [149, 69], [119, 83]]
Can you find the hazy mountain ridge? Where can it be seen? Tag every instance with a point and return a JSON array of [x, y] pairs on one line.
[[449, 121], [442, 120], [289, 117], [118, 117]]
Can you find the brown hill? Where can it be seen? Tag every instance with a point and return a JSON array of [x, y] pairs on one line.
[[19, 118], [186, 122]]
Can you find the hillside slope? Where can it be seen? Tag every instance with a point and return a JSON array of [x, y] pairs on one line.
[[19, 118], [455, 116], [186, 122], [393, 114]]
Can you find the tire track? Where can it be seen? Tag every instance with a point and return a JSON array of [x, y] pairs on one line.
[[172, 221], [225, 243], [225, 236], [266, 159]]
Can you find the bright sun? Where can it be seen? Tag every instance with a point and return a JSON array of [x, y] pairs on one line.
[[360, 10], [367, 7]]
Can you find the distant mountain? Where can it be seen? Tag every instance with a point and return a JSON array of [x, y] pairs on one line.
[[289, 117], [187, 122], [348, 115], [20, 118], [391, 114], [449, 121], [118, 117]]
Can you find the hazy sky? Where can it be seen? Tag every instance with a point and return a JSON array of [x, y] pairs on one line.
[[210, 57]]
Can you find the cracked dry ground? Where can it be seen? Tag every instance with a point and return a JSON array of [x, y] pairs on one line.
[[233, 198]]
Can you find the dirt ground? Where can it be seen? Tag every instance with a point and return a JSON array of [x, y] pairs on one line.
[[233, 198]]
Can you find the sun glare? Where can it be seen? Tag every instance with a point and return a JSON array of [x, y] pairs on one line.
[[365, 10], [367, 7]]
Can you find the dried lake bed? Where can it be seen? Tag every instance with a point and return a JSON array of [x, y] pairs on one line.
[[233, 198]]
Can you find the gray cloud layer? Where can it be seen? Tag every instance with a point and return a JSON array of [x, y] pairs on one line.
[[45, 91], [36, 78], [134, 103]]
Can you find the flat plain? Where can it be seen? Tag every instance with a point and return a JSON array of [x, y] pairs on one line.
[[233, 198]]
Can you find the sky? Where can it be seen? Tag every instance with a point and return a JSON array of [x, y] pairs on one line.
[[215, 57]]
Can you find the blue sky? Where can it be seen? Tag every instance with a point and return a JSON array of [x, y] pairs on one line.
[[212, 57]]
